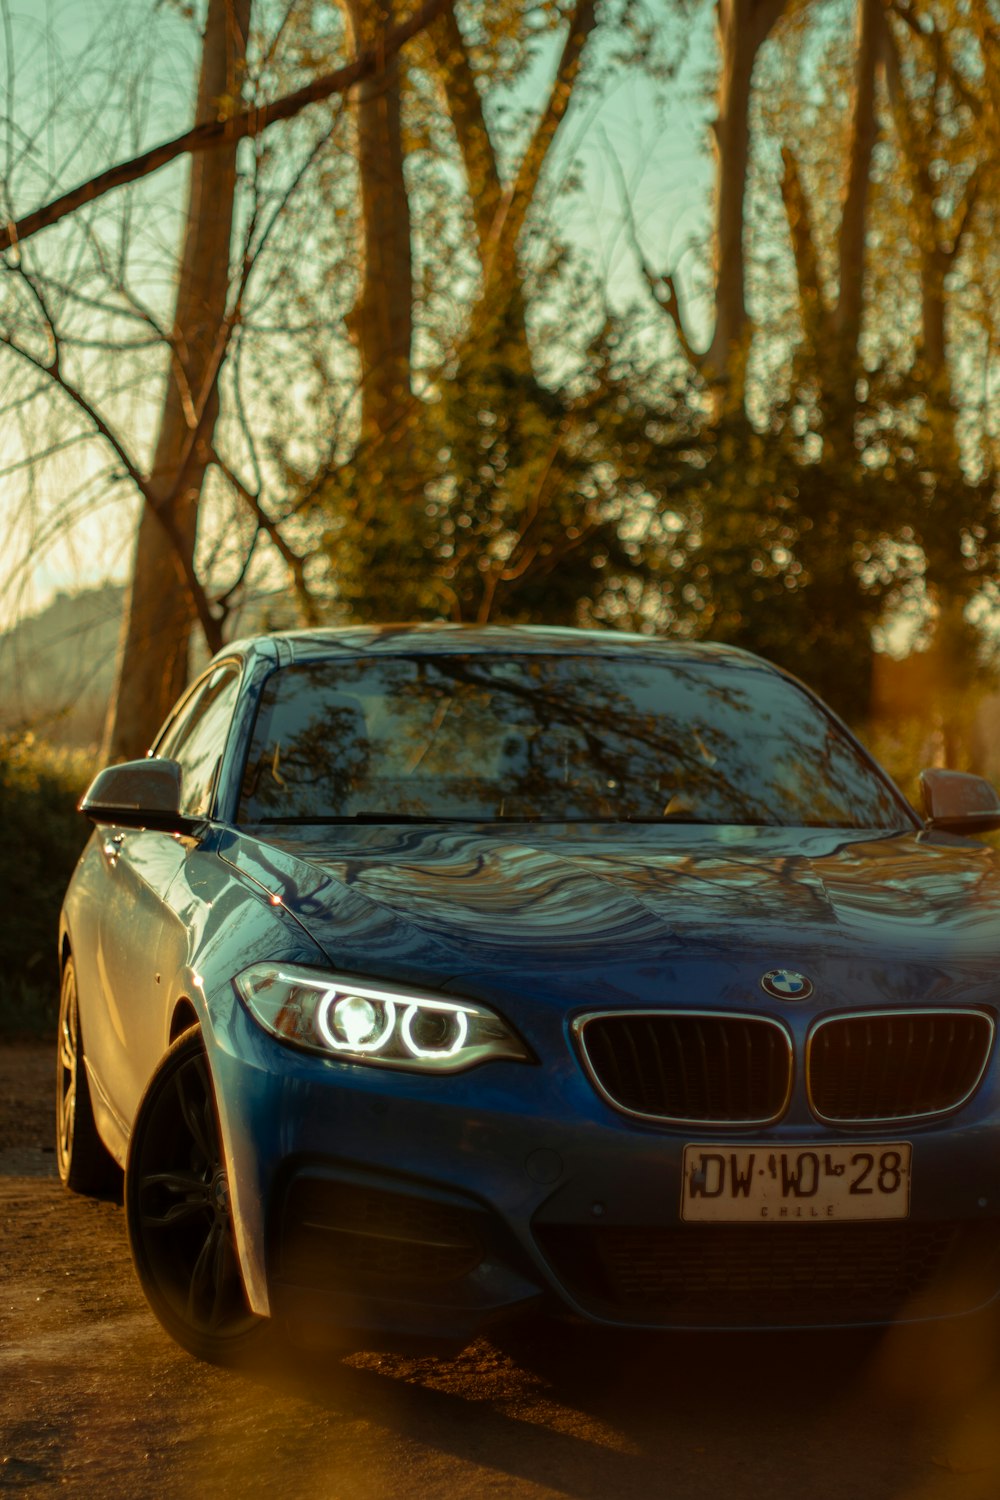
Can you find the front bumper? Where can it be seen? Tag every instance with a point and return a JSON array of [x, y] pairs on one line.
[[404, 1206]]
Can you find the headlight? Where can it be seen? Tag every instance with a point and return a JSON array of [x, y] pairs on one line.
[[393, 1028]]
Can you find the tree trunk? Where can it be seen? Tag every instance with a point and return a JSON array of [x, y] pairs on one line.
[[935, 263], [465, 109], [854, 216], [743, 26], [501, 247], [841, 365], [382, 319], [153, 661]]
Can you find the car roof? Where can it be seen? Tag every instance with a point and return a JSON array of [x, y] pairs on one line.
[[445, 638]]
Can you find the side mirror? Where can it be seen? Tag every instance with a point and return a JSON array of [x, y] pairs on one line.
[[956, 802], [138, 794]]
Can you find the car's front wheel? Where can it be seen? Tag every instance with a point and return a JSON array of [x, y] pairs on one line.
[[178, 1214], [85, 1164]]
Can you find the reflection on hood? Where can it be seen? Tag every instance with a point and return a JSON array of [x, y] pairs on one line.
[[560, 893]]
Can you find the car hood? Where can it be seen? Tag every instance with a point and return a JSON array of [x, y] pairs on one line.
[[438, 904]]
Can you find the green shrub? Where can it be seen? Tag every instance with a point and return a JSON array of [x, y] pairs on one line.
[[43, 835]]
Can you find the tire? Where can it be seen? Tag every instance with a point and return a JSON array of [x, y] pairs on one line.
[[85, 1163], [177, 1212]]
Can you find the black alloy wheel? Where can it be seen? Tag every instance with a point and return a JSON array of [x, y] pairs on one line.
[[178, 1215], [85, 1164]]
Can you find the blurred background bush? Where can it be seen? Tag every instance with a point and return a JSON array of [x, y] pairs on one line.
[[43, 835]]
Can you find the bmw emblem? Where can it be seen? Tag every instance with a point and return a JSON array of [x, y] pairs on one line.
[[785, 984]]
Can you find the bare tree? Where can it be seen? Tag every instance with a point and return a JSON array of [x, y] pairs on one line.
[[743, 27], [213, 134], [162, 602], [169, 594], [832, 327], [383, 314]]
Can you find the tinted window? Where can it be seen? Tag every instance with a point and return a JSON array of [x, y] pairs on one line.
[[553, 737], [197, 738]]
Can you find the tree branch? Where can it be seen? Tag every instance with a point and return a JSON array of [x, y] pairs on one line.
[[465, 107], [962, 217], [293, 560], [508, 221], [815, 316], [162, 509], [206, 137], [661, 283], [162, 512], [911, 19], [852, 235]]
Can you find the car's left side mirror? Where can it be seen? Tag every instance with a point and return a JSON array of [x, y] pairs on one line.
[[955, 802], [138, 794]]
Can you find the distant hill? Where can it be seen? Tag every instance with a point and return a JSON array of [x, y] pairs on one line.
[[57, 667]]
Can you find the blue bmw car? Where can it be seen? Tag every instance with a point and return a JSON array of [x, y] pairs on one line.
[[422, 976]]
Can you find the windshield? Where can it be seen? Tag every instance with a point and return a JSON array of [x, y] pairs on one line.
[[553, 737]]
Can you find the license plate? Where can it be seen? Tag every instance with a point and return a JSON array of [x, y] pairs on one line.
[[738, 1184]]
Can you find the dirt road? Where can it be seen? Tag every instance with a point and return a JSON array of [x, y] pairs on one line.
[[95, 1400]]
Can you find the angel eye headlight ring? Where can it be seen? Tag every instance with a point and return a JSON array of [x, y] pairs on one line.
[[386, 1026], [352, 1023], [459, 1028]]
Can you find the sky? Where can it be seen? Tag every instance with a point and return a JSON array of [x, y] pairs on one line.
[[84, 83]]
